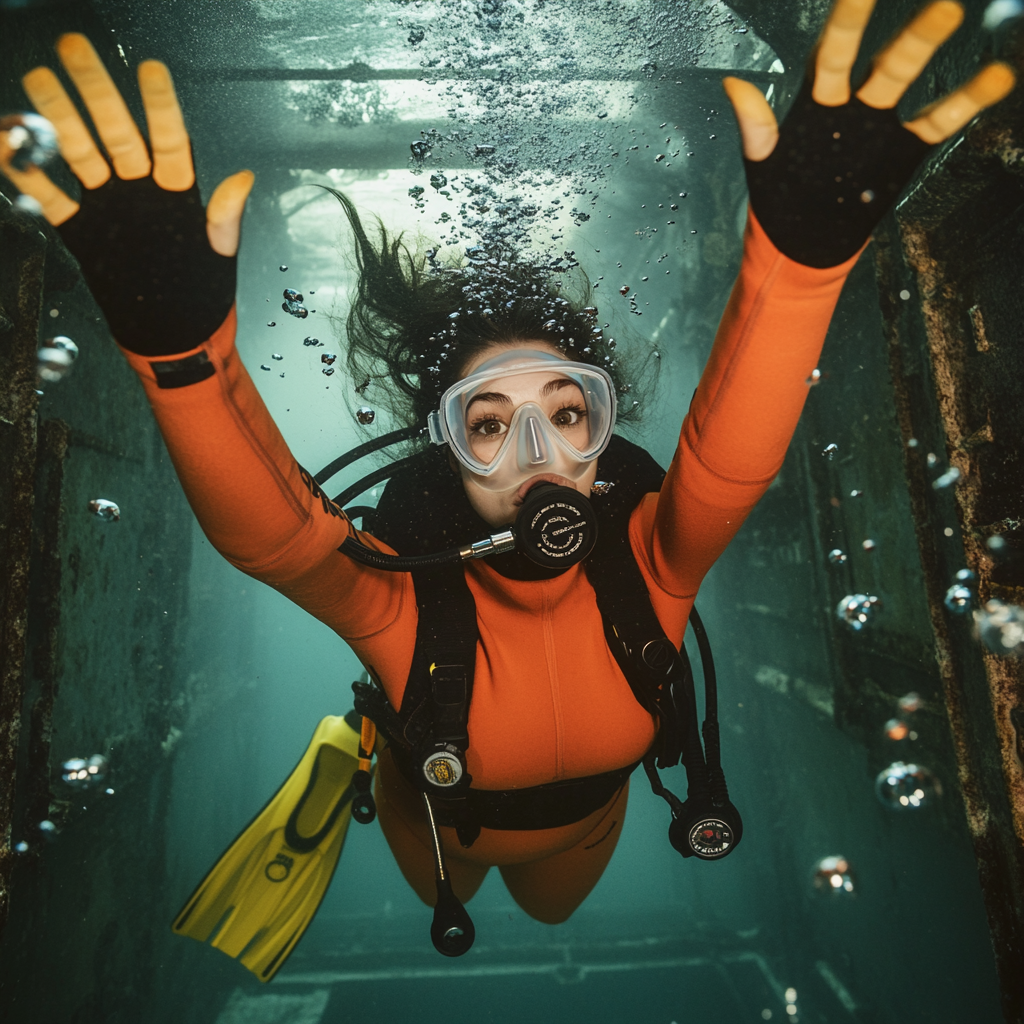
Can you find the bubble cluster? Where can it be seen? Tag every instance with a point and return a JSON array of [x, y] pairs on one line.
[[1000, 627], [328, 358], [82, 773], [311, 342], [105, 510], [836, 557], [907, 787], [833, 876], [857, 610]]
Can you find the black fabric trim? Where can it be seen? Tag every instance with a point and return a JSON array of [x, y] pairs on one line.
[[807, 194], [179, 373]]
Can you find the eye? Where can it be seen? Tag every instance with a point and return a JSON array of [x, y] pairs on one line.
[[569, 416], [488, 428]]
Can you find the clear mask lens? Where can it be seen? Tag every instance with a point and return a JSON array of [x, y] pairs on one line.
[[527, 412]]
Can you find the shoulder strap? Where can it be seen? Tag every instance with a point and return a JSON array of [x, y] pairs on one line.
[[648, 659]]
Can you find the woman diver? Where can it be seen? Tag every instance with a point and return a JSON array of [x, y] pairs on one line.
[[517, 754]]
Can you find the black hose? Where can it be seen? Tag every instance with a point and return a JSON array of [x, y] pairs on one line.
[[374, 478], [405, 434], [396, 563]]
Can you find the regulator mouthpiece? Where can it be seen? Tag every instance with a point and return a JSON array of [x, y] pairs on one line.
[[556, 526]]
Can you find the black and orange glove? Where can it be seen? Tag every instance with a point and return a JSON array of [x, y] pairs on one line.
[[820, 184], [160, 267]]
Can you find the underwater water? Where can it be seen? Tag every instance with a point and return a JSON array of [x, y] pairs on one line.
[[597, 137]]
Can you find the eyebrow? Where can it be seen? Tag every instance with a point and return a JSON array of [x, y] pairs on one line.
[[556, 384]]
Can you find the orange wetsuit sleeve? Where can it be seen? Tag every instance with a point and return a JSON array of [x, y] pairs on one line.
[[258, 507], [743, 413]]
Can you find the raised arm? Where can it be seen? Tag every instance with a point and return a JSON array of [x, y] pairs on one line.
[[163, 271], [818, 187]]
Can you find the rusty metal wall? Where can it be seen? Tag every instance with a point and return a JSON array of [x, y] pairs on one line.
[[957, 354]]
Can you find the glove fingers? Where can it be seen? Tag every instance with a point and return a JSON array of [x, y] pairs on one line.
[[172, 152], [758, 128], [899, 64], [837, 50], [57, 205], [948, 115], [76, 143], [113, 121], [224, 212]]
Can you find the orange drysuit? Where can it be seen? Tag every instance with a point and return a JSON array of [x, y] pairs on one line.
[[549, 700]]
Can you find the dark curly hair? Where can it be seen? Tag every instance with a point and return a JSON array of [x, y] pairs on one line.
[[416, 322]]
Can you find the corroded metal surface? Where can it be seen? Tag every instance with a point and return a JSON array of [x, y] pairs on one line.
[[955, 356], [21, 275]]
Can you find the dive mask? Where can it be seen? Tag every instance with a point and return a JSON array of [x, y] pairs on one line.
[[564, 423]]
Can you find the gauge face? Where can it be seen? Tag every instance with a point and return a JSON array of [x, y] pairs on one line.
[[711, 837]]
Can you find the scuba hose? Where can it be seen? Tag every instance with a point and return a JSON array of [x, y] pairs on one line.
[[706, 825]]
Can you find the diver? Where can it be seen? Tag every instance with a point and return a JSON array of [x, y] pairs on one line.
[[509, 692]]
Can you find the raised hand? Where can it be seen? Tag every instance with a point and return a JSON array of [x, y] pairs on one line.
[[821, 183], [162, 271]]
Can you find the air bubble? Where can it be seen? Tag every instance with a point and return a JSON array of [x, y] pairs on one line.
[[365, 415], [32, 138], [53, 364], [958, 599], [948, 478], [910, 702], [81, 773], [1000, 627], [896, 729], [836, 557], [830, 451], [857, 610], [832, 877], [328, 358], [907, 787], [105, 510]]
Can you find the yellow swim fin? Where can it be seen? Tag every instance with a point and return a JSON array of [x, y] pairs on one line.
[[261, 895]]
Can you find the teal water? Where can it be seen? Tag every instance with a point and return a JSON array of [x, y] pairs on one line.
[[577, 100]]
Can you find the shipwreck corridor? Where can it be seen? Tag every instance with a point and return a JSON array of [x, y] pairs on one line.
[[599, 135]]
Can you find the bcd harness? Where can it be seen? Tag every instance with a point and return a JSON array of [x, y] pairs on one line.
[[424, 509]]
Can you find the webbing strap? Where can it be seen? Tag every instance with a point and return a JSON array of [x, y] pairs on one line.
[[440, 685]]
